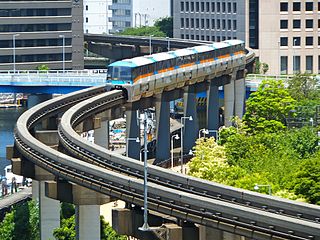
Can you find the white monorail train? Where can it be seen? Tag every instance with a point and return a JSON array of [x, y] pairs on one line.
[[152, 74]]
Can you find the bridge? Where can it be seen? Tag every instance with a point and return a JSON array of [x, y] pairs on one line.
[[90, 175]]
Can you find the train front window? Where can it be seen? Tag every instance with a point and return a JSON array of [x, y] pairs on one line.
[[125, 73]]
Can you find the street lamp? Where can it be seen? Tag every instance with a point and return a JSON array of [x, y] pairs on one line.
[[257, 186], [168, 46], [14, 50], [137, 139], [207, 131], [150, 47], [176, 137], [145, 226], [63, 51], [182, 126]]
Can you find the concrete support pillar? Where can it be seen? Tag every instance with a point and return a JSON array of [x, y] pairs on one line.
[[190, 231], [163, 128], [229, 102], [191, 128], [49, 213], [213, 106], [101, 135], [132, 132], [240, 97], [88, 222]]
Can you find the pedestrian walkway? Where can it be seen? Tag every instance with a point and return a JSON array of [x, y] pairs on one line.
[[12, 199]]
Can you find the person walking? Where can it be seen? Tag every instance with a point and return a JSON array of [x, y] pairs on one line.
[[4, 186], [13, 185]]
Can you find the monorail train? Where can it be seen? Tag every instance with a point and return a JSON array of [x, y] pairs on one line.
[[152, 74]]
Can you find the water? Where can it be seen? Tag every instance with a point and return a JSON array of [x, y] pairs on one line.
[[8, 119]]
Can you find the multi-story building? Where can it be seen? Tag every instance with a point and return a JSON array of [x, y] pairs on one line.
[[37, 32], [96, 16], [284, 34], [137, 13]]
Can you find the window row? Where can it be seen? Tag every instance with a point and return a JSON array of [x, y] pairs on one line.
[[296, 24], [206, 38], [298, 6], [205, 23], [121, 1], [121, 24], [121, 12], [209, 7], [35, 12], [296, 41], [35, 27], [34, 42], [296, 64], [36, 58]]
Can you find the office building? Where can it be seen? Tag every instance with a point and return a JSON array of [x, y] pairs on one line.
[[96, 15], [33, 33], [283, 34], [137, 13]]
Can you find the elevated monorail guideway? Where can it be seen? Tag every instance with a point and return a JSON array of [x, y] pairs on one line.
[[198, 209], [100, 156]]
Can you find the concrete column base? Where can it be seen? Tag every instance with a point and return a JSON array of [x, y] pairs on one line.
[[228, 103], [101, 135], [240, 97]]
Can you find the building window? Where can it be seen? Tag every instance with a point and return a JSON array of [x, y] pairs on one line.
[[284, 65], [229, 24], [309, 6], [182, 22], [213, 38], [182, 36], [254, 24], [283, 41], [234, 7], [223, 7], [309, 41], [223, 24], [213, 24], [318, 41], [229, 7], [296, 6], [202, 37], [283, 24], [309, 64], [207, 7], [212, 7], [187, 6], [218, 24], [296, 23], [197, 6], [202, 6], [207, 23], [284, 7], [192, 6], [87, 8], [296, 64], [218, 38], [182, 6], [318, 64], [309, 23], [192, 22], [197, 37], [218, 7], [202, 23], [234, 24], [318, 23], [187, 23], [197, 23], [87, 19], [296, 41]]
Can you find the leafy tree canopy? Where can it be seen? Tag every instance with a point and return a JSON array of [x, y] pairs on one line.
[[165, 25], [143, 31], [268, 107], [304, 87]]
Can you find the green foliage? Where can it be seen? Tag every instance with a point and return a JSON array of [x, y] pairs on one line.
[[143, 31], [257, 66], [260, 67], [66, 231], [43, 68], [306, 181], [21, 223], [67, 210], [107, 232], [7, 227], [268, 107], [304, 87], [165, 25], [264, 68]]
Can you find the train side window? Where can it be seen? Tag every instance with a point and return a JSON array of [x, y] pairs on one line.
[[115, 73], [125, 73]]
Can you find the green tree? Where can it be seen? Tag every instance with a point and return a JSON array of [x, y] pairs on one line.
[[66, 231], [265, 68], [143, 31], [22, 229], [268, 107], [306, 181], [7, 227], [304, 87], [165, 25]]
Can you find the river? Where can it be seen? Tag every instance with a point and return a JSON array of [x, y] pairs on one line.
[[8, 119]]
